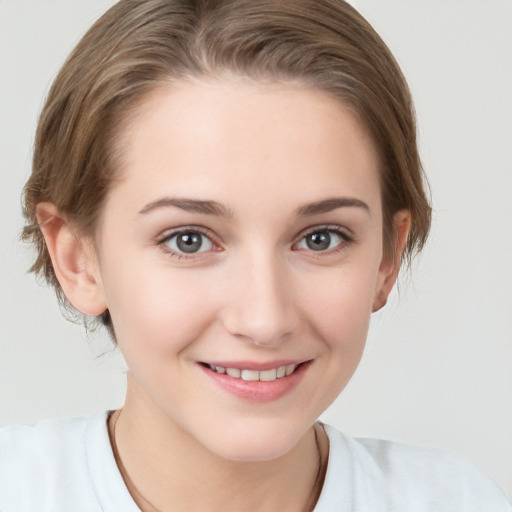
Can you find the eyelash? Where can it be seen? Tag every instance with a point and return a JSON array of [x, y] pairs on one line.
[[162, 242], [345, 239], [342, 234]]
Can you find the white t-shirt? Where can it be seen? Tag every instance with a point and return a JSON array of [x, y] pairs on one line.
[[68, 466]]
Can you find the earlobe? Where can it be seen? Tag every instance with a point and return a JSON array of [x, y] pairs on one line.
[[388, 271], [74, 261]]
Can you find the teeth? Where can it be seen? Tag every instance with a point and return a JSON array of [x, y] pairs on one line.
[[268, 375], [290, 369], [254, 375], [233, 372], [250, 375]]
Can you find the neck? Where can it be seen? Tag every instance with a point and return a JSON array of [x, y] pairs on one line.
[[165, 469]]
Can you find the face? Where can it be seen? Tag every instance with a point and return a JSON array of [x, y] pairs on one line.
[[243, 241]]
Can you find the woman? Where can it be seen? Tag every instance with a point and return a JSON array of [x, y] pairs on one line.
[[230, 188]]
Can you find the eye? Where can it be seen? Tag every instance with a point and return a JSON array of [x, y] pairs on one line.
[[188, 242], [322, 240]]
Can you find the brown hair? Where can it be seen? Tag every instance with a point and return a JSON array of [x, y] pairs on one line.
[[139, 44]]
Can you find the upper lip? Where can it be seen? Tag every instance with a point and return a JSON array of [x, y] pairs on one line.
[[255, 365]]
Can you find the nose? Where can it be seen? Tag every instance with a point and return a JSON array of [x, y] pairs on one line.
[[260, 306]]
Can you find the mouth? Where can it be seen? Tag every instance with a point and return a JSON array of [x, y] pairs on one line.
[[248, 374], [256, 382]]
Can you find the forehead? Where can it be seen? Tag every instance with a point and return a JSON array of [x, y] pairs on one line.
[[271, 140]]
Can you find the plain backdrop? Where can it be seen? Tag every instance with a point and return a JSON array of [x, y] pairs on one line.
[[437, 368]]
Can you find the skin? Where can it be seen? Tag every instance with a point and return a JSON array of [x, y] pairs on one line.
[[255, 292]]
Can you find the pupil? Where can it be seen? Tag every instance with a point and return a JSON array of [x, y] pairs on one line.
[[189, 242], [318, 241]]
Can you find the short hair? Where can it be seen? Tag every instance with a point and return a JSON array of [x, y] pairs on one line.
[[138, 45]]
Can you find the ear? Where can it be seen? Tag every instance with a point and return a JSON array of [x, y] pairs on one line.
[[74, 260], [389, 267]]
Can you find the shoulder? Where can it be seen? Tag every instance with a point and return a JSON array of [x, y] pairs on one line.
[[38, 462], [43, 437], [390, 476]]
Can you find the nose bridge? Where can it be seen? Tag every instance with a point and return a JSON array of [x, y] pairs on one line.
[[260, 304]]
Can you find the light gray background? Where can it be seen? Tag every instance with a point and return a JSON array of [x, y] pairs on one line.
[[437, 369]]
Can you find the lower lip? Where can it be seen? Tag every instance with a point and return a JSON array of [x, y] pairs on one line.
[[257, 391]]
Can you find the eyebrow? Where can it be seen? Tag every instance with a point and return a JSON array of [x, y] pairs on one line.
[[332, 203], [189, 205], [215, 208]]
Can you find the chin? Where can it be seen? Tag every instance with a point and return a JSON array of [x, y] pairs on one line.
[[255, 441]]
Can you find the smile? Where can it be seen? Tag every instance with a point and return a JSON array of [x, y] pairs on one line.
[[256, 382], [255, 375]]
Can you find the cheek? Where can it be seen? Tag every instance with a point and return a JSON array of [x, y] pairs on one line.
[[157, 312], [340, 306]]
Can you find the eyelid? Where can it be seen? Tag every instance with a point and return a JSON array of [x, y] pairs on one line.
[[344, 233], [333, 228], [170, 233]]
